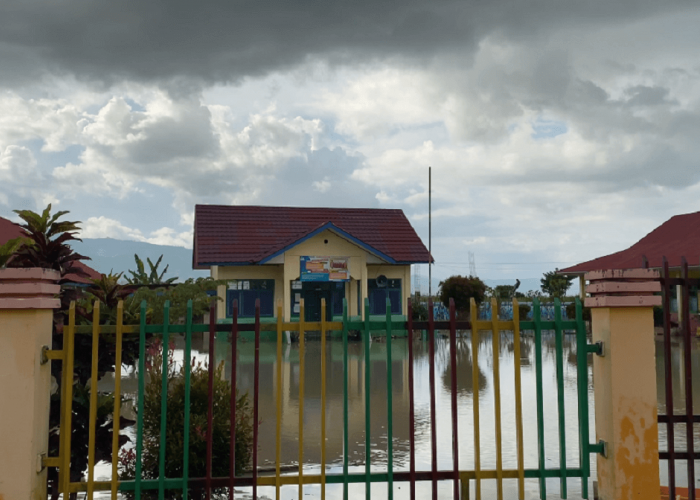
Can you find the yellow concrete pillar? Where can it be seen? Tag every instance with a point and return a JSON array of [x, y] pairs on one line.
[[26, 316], [625, 382]]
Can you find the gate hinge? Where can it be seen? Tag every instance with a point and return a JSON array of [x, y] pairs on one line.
[[601, 447], [48, 354], [598, 349]]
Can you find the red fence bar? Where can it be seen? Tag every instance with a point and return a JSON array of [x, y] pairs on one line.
[[256, 397], [232, 442], [455, 426], [433, 423], [210, 407], [688, 362], [411, 406], [669, 379]]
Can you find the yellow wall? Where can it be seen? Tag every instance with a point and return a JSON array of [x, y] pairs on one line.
[[325, 243]]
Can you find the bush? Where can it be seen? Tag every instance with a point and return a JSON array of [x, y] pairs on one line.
[[198, 424], [571, 312], [420, 312], [462, 289]]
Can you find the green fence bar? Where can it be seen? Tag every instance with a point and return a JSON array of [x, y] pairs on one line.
[[346, 435], [142, 391], [163, 402], [368, 442], [582, 375], [188, 383], [389, 424], [537, 318], [558, 336]]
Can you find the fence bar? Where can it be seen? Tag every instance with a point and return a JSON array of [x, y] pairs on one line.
[[346, 436], [92, 424], [433, 422], [323, 399], [210, 397], [188, 386], [688, 366], [537, 318], [582, 375], [411, 406], [558, 335], [453, 382], [518, 401], [367, 337], [256, 398], [670, 440], [163, 401], [117, 398], [142, 391], [301, 397], [475, 396], [67, 402], [278, 433], [389, 399], [496, 334], [232, 409]]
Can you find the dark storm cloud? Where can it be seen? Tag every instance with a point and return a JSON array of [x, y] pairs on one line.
[[223, 40]]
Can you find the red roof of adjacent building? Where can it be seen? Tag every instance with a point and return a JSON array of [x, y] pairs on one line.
[[676, 238], [9, 230], [253, 234]]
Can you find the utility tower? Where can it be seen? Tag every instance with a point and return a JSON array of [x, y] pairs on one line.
[[472, 265]]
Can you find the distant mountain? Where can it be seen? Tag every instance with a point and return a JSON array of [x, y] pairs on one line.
[[118, 256]]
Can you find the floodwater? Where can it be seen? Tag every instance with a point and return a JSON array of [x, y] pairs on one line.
[[400, 394]]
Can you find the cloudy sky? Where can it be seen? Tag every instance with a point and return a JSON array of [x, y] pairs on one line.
[[556, 131]]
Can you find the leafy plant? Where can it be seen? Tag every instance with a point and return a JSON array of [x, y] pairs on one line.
[[199, 401], [10, 248], [141, 277], [49, 247], [192, 289]]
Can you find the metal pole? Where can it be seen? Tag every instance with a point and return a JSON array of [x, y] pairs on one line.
[[430, 233]]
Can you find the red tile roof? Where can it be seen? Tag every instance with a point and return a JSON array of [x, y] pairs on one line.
[[677, 237], [9, 230], [250, 234]]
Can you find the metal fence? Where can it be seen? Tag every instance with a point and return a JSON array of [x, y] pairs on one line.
[[670, 418], [202, 487]]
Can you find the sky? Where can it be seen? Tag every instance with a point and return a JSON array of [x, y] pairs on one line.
[[557, 132]]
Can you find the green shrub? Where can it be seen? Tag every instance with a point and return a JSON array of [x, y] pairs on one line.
[[198, 423]]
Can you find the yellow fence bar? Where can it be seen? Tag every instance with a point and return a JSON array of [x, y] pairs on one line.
[[278, 440], [323, 399], [518, 401], [475, 396], [117, 398], [66, 403], [301, 398], [92, 426], [496, 334]]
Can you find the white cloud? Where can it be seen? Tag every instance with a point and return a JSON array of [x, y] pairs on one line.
[[103, 227]]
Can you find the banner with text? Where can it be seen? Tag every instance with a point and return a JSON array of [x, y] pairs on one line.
[[325, 268]]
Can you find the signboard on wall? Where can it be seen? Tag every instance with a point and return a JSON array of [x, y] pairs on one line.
[[324, 268]]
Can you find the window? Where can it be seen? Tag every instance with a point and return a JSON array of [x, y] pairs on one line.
[[378, 294], [247, 292]]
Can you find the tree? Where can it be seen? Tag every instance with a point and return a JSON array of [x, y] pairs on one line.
[[462, 289], [141, 277], [555, 285]]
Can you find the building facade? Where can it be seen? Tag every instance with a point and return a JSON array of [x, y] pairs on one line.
[[281, 255]]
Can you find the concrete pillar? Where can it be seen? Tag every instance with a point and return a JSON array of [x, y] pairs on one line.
[[26, 317], [625, 382]]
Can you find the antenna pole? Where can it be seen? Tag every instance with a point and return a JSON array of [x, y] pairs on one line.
[[430, 233]]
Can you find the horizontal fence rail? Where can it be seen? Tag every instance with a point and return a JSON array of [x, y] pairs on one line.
[[143, 485]]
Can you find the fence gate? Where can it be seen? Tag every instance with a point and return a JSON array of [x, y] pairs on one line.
[[678, 325], [153, 473]]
